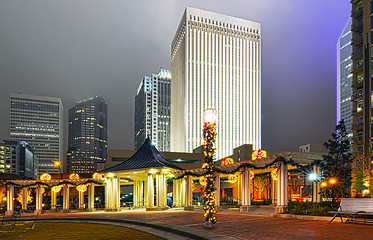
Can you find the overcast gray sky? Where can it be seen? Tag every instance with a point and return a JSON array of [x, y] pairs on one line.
[[74, 49]]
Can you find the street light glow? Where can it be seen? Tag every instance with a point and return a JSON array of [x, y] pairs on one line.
[[210, 115], [312, 176]]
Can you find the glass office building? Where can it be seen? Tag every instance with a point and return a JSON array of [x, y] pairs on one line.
[[38, 120]]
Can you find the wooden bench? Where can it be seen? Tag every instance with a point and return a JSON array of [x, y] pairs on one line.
[[354, 207]]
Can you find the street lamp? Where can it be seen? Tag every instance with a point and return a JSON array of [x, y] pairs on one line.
[[209, 135], [57, 163], [332, 181]]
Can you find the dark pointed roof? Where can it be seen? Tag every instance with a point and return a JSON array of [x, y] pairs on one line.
[[146, 157]]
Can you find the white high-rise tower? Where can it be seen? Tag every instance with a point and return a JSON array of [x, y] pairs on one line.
[[215, 63]]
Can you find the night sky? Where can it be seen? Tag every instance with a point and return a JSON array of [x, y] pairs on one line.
[[78, 49]]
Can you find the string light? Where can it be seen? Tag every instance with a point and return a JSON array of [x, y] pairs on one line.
[[209, 135]]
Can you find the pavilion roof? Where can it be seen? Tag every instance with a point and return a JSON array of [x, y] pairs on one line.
[[146, 157]]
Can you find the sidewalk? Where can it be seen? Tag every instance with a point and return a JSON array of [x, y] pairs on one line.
[[232, 223]]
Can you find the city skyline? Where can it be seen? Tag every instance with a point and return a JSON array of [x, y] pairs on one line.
[[101, 60]]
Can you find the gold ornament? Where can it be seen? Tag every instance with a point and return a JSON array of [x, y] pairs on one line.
[[258, 154], [81, 188], [56, 189], [203, 181], [74, 176], [232, 178], [97, 176], [45, 177], [227, 161], [274, 174]]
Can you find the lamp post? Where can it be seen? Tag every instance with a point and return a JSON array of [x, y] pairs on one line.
[[209, 135], [57, 163]]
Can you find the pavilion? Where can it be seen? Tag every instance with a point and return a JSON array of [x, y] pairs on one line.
[[148, 171]]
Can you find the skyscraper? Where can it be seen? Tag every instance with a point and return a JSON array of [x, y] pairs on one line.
[[87, 142], [361, 78], [18, 157], [38, 121], [216, 63], [344, 78], [152, 110]]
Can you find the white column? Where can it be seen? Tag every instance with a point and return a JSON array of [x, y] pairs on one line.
[[135, 194], [146, 193], [9, 200], [239, 188], [273, 191], [39, 199], [164, 189], [24, 198], [150, 191], [279, 190], [81, 200], [141, 193], [188, 191], [161, 190], [282, 186], [175, 200], [107, 193], [53, 199], [217, 191], [183, 192], [116, 183], [91, 197], [246, 198], [66, 197], [157, 190], [286, 180]]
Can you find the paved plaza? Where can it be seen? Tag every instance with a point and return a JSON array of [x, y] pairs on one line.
[[237, 225]]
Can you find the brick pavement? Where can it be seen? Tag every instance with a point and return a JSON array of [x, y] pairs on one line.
[[242, 226]]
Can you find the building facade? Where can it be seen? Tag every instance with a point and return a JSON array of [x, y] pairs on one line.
[[18, 157], [361, 78], [344, 78], [216, 63], [38, 120], [87, 141], [152, 110]]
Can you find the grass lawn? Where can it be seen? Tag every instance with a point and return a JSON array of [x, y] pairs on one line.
[[72, 231]]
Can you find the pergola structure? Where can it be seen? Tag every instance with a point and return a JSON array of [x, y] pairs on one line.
[[55, 185], [277, 164], [148, 172], [145, 166]]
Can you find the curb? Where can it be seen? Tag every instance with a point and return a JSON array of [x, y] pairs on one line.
[[191, 233], [305, 217]]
